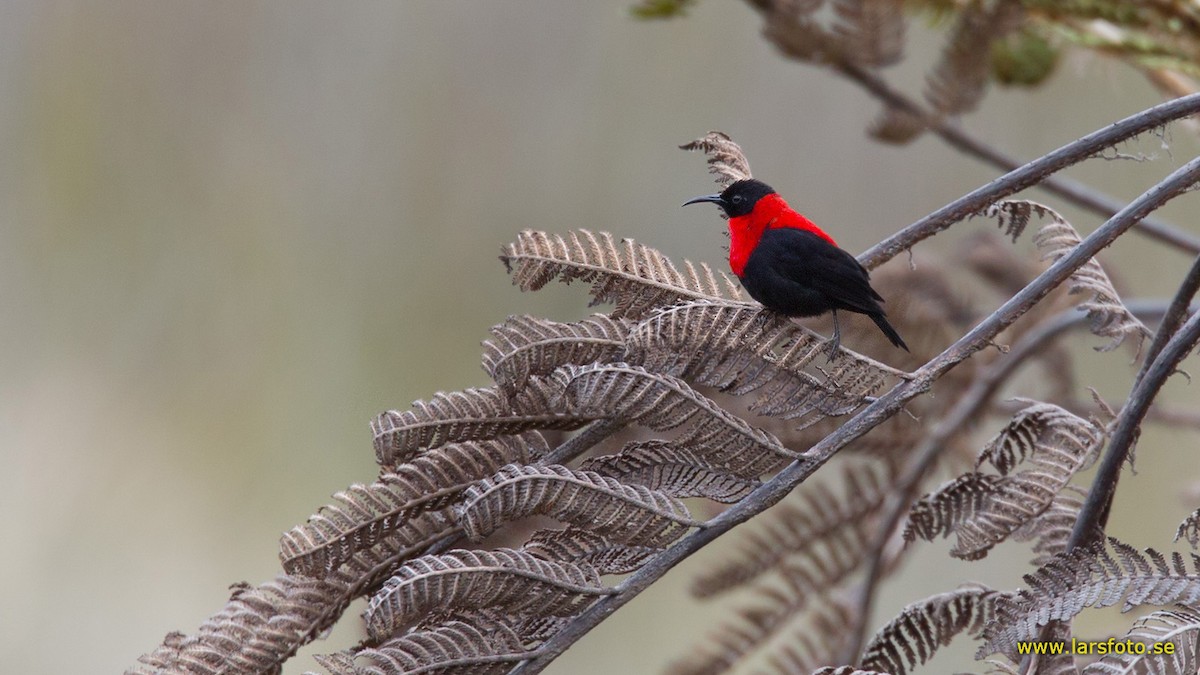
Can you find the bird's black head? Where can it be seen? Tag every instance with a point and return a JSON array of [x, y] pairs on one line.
[[739, 198]]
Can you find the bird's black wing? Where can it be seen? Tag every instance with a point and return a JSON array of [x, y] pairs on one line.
[[807, 259]]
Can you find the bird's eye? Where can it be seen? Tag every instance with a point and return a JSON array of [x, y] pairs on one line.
[[737, 199]]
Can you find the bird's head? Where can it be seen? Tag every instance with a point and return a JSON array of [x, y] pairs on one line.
[[739, 198]]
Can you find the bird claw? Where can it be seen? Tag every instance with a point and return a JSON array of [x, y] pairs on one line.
[[833, 344]]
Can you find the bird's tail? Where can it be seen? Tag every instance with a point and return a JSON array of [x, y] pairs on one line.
[[881, 321]]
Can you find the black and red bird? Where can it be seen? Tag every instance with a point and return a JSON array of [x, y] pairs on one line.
[[789, 264]]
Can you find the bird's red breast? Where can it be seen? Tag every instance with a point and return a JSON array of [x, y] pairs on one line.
[[770, 212]]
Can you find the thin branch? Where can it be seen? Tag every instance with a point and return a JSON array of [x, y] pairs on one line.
[[1178, 311], [869, 417], [1094, 514], [1028, 175], [1073, 191], [972, 401]]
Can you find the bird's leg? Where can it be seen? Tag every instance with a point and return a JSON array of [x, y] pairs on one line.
[[836, 340]]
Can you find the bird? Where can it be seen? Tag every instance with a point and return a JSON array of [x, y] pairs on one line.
[[790, 265]]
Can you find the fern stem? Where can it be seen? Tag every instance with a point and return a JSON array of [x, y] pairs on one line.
[[1175, 315], [1014, 181], [1075, 192], [1094, 515], [778, 487]]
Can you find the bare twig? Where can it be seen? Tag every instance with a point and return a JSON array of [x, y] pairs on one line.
[[1094, 514], [1073, 191], [1028, 175], [770, 492], [972, 401]]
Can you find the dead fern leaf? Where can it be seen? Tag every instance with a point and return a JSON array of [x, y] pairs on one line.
[[577, 544], [845, 670], [791, 27], [1091, 576], [726, 160], [741, 349], [469, 415], [896, 126], [629, 514], [983, 512], [673, 470], [817, 635], [1051, 531], [516, 582], [636, 278], [870, 32], [1189, 529], [957, 83], [364, 514], [816, 537], [913, 637], [631, 393], [1107, 314], [525, 345], [1180, 626], [455, 647], [940, 512]]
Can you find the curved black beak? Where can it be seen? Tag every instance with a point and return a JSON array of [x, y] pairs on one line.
[[716, 199]]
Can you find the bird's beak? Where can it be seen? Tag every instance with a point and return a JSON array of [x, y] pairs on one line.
[[716, 199]]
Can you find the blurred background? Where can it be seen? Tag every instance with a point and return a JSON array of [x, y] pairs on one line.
[[231, 233]]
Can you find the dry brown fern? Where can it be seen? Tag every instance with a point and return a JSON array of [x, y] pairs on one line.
[[1189, 529], [469, 415], [526, 345], [817, 536], [726, 160], [635, 278], [1052, 443], [462, 581], [1097, 576], [672, 469], [912, 637], [364, 514], [452, 648], [630, 514]]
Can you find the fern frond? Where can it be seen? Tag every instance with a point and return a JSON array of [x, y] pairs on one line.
[[516, 582], [845, 670], [671, 469], [455, 647], [662, 402], [896, 126], [526, 345], [726, 160], [1051, 530], [629, 514], [364, 514], [636, 278], [469, 415], [1189, 529], [742, 349], [940, 512], [816, 537], [956, 84], [817, 639], [791, 27], [870, 32], [1179, 626], [1092, 576], [1107, 315], [1056, 444], [913, 637], [1032, 428], [818, 634], [577, 544]]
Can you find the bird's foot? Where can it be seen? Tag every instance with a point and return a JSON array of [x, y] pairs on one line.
[[832, 346]]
